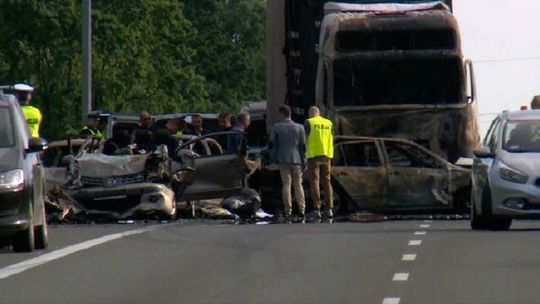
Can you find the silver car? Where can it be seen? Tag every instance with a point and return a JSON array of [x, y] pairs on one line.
[[506, 172]]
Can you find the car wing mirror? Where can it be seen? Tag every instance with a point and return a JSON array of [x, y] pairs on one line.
[[36, 144], [483, 152]]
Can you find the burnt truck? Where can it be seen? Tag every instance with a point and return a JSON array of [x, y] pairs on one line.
[[375, 68]]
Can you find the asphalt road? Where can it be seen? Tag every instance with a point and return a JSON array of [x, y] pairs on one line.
[[386, 262]]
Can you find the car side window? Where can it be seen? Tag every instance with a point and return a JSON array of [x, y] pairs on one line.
[[21, 128], [404, 155], [361, 154]]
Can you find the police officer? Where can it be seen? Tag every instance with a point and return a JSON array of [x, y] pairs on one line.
[[91, 128], [320, 151], [31, 114]]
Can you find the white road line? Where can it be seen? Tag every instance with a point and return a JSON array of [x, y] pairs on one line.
[[415, 242], [60, 253], [391, 301], [420, 233], [425, 226], [408, 257], [400, 276]]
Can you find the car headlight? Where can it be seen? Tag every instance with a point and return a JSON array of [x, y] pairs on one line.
[[11, 179], [512, 175]]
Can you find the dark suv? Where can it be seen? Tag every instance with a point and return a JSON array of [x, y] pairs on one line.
[[22, 210]]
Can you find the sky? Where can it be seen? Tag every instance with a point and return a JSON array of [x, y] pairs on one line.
[[502, 37]]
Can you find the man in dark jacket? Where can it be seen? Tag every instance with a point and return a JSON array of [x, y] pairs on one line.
[[287, 148]]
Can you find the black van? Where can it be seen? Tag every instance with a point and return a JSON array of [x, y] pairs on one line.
[[22, 209]]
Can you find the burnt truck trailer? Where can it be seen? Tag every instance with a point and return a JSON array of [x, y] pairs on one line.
[[375, 68]]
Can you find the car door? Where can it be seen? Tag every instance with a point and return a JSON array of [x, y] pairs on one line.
[[214, 175], [359, 170], [415, 178], [482, 165]]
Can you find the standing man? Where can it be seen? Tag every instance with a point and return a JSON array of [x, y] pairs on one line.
[[145, 119], [92, 123], [225, 124], [31, 114], [287, 147], [320, 151], [197, 126], [234, 143]]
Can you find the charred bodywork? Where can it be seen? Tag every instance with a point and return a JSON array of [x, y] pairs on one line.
[[120, 186], [397, 71], [384, 174]]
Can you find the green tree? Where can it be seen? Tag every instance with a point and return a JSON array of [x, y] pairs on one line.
[[231, 49]]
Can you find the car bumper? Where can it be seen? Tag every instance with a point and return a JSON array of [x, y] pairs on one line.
[[514, 200], [126, 200]]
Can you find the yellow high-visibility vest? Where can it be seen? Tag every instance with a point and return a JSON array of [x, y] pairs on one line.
[[320, 141], [33, 118]]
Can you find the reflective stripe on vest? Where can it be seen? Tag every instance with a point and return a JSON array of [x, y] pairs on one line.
[[320, 141], [33, 119]]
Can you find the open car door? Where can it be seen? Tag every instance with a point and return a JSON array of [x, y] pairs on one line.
[[212, 174]]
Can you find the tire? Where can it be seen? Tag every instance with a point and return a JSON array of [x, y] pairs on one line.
[[499, 224], [478, 222], [24, 240], [41, 235]]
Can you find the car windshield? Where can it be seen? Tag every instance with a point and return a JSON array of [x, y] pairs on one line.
[[6, 129], [522, 136]]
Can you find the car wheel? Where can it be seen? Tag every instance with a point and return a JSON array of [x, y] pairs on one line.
[[478, 222], [499, 224], [41, 234], [24, 240]]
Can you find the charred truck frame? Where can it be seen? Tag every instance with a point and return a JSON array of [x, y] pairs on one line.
[[375, 68]]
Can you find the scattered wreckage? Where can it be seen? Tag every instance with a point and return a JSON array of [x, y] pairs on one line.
[[135, 181], [385, 175]]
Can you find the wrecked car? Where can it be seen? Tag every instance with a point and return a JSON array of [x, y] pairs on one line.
[[121, 186], [386, 175]]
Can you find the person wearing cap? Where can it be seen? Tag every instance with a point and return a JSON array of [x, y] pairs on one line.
[[91, 128], [31, 114]]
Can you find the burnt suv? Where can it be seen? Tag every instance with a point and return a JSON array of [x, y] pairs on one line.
[[22, 212]]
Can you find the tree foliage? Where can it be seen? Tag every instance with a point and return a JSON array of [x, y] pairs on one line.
[[158, 55]]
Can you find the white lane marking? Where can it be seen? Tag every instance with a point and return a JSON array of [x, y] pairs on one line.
[[415, 242], [400, 276], [408, 257], [420, 233], [425, 226], [391, 301], [60, 253]]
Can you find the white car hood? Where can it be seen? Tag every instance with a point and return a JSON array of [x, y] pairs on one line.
[[101, 165]]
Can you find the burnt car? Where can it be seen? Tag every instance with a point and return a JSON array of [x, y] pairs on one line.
[[56, 160], [388, 175], [22, 211], [123, 185]]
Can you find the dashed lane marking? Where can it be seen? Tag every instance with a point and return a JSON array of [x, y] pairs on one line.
[[400, 276], [408, 257], [415, 242], [420, 233], [425, 226], [60, 253], [391, 301]]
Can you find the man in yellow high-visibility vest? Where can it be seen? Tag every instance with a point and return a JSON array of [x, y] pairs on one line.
[[31, 114], [320, 151]]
